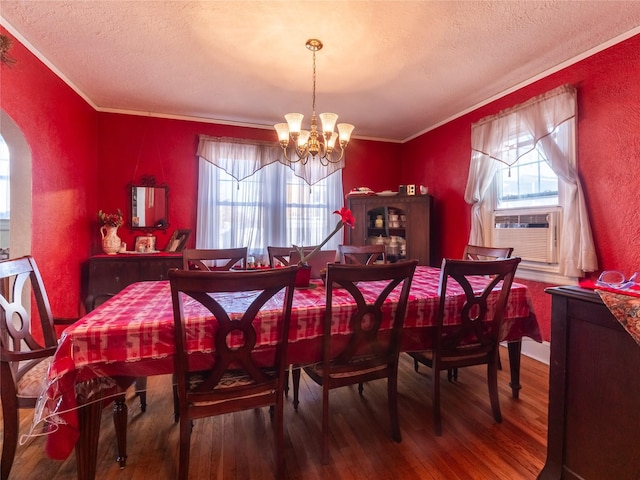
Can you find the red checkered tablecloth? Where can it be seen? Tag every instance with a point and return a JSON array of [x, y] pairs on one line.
[[132, 335]]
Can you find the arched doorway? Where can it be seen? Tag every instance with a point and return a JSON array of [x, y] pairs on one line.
[[20, 171]]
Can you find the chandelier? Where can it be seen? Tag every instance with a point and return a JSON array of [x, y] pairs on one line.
[[311, 143]]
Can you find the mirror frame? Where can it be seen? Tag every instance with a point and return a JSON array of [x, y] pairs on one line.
[[148, 181]]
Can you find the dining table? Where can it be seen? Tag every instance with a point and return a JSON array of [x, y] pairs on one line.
[[132, 335]]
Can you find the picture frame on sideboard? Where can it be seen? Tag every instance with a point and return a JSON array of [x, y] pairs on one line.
[[145, 244], [178, 240]]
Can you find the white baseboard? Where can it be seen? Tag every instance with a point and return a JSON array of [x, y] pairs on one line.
[[538, 351]]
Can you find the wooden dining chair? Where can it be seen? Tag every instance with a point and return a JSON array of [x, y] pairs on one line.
[[208, 260], [476, 252], [235, 380], [476, 339], [369, 352], [24, 360], [362, 254], [280, 255], [217, 259]]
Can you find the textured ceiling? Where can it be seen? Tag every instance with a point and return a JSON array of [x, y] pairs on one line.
[[392, 68]]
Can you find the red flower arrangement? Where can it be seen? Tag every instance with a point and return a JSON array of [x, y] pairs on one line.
[[110, 219], [346, 218]]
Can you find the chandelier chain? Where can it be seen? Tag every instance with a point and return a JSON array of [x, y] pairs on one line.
[[313, 106]]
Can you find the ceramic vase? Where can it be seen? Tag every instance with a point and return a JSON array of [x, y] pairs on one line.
[[303, 275], [110, 239]]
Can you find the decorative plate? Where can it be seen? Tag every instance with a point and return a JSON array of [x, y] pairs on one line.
[[361, 191]]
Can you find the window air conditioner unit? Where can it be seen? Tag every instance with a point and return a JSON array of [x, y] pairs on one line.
[[533, 236]]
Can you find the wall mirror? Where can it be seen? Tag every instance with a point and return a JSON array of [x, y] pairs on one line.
[[149, 204]]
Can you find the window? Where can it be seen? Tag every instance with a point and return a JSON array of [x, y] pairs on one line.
[[530, 180], [525, 199], [271, 207], [524, 188]]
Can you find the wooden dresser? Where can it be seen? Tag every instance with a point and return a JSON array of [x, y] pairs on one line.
[[594, 392], [108, 274]]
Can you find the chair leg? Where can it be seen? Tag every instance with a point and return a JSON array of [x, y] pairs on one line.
[[360, 388], [176, 406], [415, 364], [492, 382], [120, 411], [392, 400], [186, 426], [325, 424], [279, 436], [9, 433], [286, 380], [141, 392], [295, 375], [435, 394]]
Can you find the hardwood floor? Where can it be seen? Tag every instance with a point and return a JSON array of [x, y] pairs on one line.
[[239, 446]]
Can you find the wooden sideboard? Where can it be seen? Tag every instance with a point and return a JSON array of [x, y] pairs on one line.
[[594, 392], [108, 274]]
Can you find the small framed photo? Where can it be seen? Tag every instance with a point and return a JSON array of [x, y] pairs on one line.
[[178, 240], [145, 244]]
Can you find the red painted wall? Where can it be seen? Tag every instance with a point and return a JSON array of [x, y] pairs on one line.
[[61, 130], [608, 160]]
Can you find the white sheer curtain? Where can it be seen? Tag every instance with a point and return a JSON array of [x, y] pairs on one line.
[[271, 207], [536, 118], [242, 158]]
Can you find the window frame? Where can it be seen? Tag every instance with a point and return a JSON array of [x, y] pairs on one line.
[[273, 224], [531, 270]]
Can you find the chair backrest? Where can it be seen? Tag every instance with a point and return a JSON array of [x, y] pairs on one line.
[[475, 252], [317, 262], [19, 350], [362, 254], [232, 319], [280, 255], [366, 345], [483, 309], [220, 259]]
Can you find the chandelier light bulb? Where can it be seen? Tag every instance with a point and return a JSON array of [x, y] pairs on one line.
[[344, 130], [303, 138], [283, 133], [328, 121], [331, 143], [294, 120]]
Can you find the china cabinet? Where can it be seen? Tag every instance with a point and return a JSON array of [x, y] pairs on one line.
[[594, 391], [402, 222], [108, 274]]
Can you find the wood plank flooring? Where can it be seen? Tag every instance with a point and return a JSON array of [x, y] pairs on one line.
[[239, 446]]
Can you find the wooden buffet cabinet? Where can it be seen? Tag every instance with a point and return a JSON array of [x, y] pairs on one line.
[[594, 392], [108, 274], [414, 229]]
